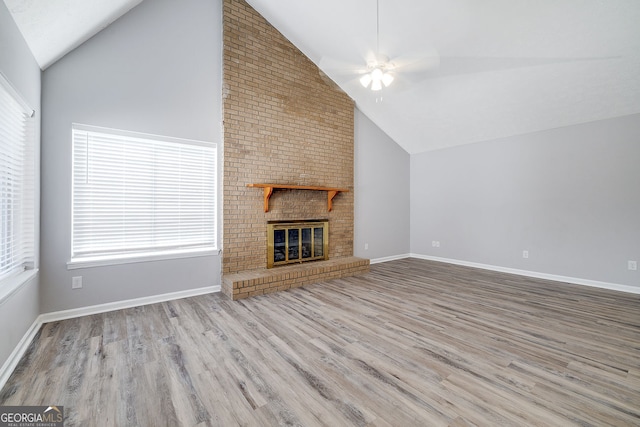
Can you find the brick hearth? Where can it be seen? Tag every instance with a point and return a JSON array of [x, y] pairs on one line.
[[263, 281]]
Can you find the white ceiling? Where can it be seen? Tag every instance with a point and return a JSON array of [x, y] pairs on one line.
[[508, 67], [53, 28]]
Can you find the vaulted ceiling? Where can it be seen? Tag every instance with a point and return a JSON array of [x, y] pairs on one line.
[[505, 67], [53, 28]]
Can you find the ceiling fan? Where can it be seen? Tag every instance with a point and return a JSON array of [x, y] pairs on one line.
[[380, 71]]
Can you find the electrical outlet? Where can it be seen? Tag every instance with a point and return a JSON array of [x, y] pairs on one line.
[[632, 265], [366, 246], [435, 243], [525, 254], [76, 282]]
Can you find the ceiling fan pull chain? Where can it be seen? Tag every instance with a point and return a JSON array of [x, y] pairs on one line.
[[377, 29]]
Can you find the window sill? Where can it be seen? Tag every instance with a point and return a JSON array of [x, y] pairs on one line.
[[130, 259], [12, 284]]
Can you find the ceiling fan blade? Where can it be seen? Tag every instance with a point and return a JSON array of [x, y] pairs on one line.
[[340, 67], [454, 66], [427, 60]]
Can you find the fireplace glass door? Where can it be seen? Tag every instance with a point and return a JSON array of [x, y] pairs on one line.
[[294, 242], [280, 245]]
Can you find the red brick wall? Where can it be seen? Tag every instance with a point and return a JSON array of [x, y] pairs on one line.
[[284, 124]]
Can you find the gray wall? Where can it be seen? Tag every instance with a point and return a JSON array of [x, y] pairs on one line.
[[19, 309], [381, 193], [155, 70], [570, 196]]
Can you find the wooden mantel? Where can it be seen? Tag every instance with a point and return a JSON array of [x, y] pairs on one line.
[[268, 190]]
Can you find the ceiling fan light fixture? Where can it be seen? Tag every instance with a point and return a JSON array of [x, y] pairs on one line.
[[376, 78], [379, 68], [387, 79], [365, 80]]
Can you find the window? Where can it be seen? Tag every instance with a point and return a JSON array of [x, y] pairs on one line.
[[141, 196], [17, 171]]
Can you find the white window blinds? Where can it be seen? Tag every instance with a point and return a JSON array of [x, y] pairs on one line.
[[141, 195], [17, 171]]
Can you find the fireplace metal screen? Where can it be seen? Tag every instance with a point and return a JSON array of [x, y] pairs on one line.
[[297, 241]]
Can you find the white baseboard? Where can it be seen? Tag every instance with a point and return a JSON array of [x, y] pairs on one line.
[[389, 258], [23, 345], [535, 274], [17, 353], [118, 305]]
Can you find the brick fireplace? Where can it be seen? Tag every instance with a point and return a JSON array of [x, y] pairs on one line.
[[284, 123]]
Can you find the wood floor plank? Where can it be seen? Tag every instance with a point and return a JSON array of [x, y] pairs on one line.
[[412, 343]]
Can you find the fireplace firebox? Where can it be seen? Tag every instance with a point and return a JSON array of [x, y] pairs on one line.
[[291, 242]]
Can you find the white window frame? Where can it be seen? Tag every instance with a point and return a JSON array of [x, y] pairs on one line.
[[85, 254], [20, 157]]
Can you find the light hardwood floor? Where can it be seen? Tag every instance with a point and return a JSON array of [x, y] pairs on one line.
[[411, 343]]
